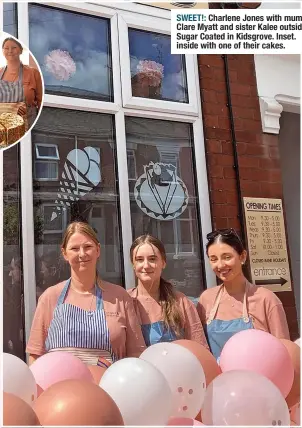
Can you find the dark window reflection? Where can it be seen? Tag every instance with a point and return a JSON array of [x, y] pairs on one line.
[[73, 51], [155, 72], [75, 178], [13, 309], [10, 19]]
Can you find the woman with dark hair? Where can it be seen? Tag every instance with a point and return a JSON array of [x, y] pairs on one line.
[[165, 315], [20, 83], [236, 304]]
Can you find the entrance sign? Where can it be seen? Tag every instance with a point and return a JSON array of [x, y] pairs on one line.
[[268, 256]]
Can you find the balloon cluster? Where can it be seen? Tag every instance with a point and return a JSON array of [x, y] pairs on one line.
[[171, 384]]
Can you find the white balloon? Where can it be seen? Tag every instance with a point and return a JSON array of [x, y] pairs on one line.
[[183, 373], [139, 390], [244, 398], [18, 379], [298, 342]]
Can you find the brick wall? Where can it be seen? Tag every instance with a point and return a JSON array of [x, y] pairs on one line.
[[258, 153]]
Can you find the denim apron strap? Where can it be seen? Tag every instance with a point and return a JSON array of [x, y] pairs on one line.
[[98, 294]]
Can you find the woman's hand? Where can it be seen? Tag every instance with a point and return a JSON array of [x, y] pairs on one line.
[[21, 111]]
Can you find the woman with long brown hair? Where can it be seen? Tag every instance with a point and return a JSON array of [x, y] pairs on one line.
[[91, 318], [165, 314]]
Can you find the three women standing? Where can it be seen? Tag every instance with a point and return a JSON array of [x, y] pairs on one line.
[[94, 319]]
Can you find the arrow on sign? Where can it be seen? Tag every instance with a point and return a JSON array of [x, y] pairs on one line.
[[280, 281]]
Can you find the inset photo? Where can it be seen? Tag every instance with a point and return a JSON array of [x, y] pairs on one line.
[[21, 90]]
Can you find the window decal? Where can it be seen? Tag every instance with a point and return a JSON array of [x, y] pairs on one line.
[[80, 175], [160, 193]]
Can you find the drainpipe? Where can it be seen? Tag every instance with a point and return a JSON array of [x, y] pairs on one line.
[[234, 145]]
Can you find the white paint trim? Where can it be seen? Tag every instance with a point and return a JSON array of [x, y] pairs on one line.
[[202, 184], [28, 244], [161, 26], [270, 115], [148, 10], [60, 101], [125, 208], [23, 28], [290, 104], [84, 8], [281, 91]]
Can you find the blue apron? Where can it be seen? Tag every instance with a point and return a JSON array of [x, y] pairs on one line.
[[218, 332], [73, 327], [155, 332]]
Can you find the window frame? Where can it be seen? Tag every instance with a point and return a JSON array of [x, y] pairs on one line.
[[161, 26], [128, 13], [39, 157]]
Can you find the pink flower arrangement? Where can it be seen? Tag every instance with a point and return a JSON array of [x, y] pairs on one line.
[[151, 71], [60, 64]]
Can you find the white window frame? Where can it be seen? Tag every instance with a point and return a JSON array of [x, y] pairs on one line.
[[39, 157], [46, 162], [162, 26], [131, 14]]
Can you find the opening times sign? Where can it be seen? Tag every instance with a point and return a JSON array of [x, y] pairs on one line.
[[268, 256]]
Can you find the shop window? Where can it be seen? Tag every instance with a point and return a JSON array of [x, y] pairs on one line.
[[124, 163], [13, 294], [155, 72], [83, 144], [73, 51], [10, 18], [164, 197]]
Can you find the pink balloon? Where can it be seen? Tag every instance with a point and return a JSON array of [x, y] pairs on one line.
[[56, 366], [184, 422], [260, 352]]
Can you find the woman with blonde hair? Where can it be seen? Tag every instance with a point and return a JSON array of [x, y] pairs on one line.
[[165, 314], [91, 318]]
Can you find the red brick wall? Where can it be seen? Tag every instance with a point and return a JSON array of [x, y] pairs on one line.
[[258, 153]]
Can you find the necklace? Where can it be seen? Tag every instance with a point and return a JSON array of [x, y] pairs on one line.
[[14, 75]]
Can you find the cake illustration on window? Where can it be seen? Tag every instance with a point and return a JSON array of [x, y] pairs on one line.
[[148, 79], [60, 64], [12, 128]]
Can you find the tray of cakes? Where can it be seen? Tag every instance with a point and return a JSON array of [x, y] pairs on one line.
[[12, 128], [14, 108]]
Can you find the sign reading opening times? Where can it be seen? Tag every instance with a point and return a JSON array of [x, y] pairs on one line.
[[268, 256]]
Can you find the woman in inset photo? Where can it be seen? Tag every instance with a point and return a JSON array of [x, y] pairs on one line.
[[21, 93]]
